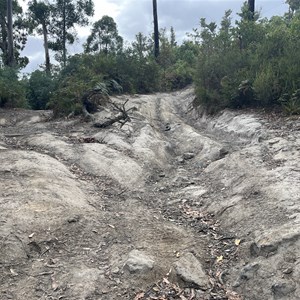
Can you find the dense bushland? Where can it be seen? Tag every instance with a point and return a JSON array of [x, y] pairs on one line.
[[252, 62], [255, 63], [133, 68]]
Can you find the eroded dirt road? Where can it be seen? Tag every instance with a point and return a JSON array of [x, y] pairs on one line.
[[210, 204]]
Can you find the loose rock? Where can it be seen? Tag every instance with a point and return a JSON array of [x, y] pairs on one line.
[[139, 262], [189, 269], [247, 272], [283, 288], [188, 155]]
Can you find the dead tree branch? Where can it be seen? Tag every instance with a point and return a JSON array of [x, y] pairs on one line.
[[122, 117]]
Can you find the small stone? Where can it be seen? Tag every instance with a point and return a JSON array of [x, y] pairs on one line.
[[167, 127], [139, 262], [180, 160], [247, 272], [223, 152], [115, 270], [74, 219], [283, 288], [287, 271], [265, 250], [188, 155], [190, 270]]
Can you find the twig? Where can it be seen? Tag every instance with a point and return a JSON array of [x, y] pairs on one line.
[[45, 251], [53, 266], [3, 240], [122, 118], [41, 274], [224, 209], [23, 246], [14, 135], [122, 192]]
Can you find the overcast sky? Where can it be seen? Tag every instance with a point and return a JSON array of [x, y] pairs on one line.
[[133, 16]]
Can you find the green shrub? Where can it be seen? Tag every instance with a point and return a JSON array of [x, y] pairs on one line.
[[68, 98], [12, 90], [291, 104], [40, 88], [253, 63], [266, 86], [177, 76]]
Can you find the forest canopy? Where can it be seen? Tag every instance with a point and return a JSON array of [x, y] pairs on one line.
[[249, 62]]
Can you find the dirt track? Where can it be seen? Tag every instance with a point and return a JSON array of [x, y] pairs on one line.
[[210, 204]]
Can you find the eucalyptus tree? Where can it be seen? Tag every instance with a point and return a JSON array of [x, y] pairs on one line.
[[10, 40], [141, 46], [294, 5], [40, 20], [173, 37], [251, 4], [104, 37], [66, 14], [156, 31], [13, 33]]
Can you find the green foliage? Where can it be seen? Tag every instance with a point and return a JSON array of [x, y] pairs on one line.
[[39, 15], [12, 90], [176, 62], [291, 104], [104, 37], [294, 4], [141, 47], [39, 89], [67, 98], [74, 81], [65, 15], [250, 64], [107, 87], [267, 86]]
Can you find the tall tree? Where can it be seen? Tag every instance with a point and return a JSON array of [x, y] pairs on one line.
[[104, 37], [251, 4], [39, 13], [67, 14], [10, 39], [156, 32], [173, 37], [16, 27], [294, 5], [140, 46]]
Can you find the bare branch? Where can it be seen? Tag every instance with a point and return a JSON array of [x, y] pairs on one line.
[[121, 118]]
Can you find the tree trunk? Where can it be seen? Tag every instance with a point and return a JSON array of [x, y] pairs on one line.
[[47, 56], [64, 34], [251, 4], [3, 42], [156, 33], [10, 54]]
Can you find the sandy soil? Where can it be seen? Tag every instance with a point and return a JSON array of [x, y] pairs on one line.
[[172, 205]]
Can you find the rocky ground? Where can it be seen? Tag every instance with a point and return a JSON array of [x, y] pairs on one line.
[[169, 206]]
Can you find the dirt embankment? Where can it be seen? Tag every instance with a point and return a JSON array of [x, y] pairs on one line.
[[210, 204]]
